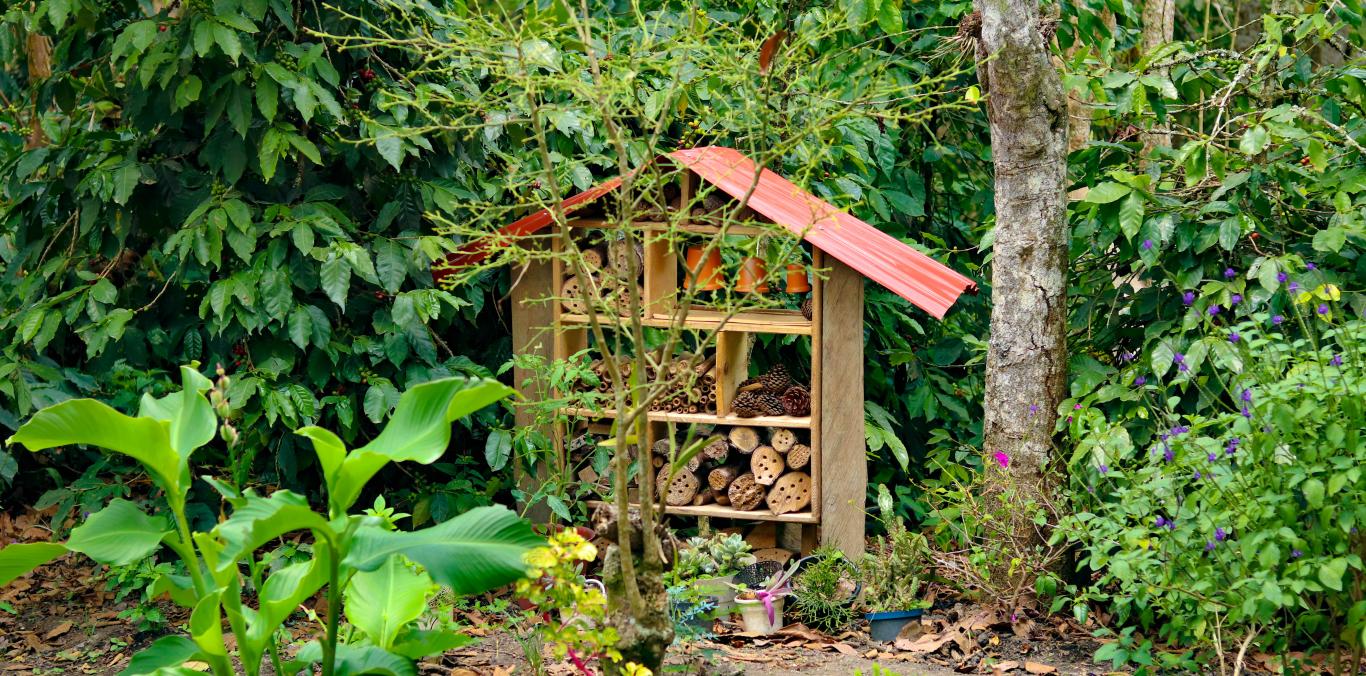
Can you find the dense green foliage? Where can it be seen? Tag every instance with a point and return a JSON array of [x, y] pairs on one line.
[[360, 558]]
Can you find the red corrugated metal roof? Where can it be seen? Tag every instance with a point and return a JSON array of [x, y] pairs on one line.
[[925, 282]]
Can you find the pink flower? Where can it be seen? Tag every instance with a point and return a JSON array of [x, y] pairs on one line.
[[1001, 459]]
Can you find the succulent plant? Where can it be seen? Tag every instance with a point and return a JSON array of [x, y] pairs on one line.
[[717, 556]]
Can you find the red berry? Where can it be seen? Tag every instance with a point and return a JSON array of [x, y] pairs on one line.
[[161, 28]]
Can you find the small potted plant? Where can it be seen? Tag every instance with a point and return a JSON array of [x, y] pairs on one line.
[[761, 610], [892, 575], [709, 565]]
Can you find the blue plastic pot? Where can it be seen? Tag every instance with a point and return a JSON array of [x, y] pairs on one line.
[[885, 627]]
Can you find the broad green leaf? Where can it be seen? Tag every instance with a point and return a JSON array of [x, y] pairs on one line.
[[259, 520], [889, 16], [267, 97], [18, 559], [1313, 493], [280, 596], [418, 431], [422, 643], [1106, 193], [206, 625], [167, 651], [300, 327], [383, 601], [178, 588], [118, 535], [497, 449], [336, 279], [188, 411], [1255, 140], [1330, 239], [1131, 214], [357, 660], [92, 423], [391, 149], [227, 41], [471, 553], [1330, 573]]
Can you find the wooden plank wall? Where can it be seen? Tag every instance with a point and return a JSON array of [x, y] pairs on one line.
[[844, 465], [533, 320]]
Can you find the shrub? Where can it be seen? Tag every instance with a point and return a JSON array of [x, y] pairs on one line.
[[823, 592], [1218, 496]]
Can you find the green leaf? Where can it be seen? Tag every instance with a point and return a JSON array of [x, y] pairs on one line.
[[1161, 359], [889, 16], [189, 413], [1131, 214], [92, 423], [471, 553], [497, 449], [227, 41], [267, 97], [1230, 230], [1106, 193], [419, 431], [1330, 573], [206, 625], [1255, 140], [1313, 493], [1330, 239], [280, 596], [187, 92], [356, 660], [391, 265], [391, 149], [383, 601], [18, 559], [165, 652], [300, 327], [336, 279], [118, 535], [259, 520], [203, 36]]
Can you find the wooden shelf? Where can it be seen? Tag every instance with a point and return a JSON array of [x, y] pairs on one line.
[[720, 512], [752, 321], [702, 418], [694, 228]]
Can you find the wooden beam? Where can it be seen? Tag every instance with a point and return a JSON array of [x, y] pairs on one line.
[[533, 320], [842, 461]]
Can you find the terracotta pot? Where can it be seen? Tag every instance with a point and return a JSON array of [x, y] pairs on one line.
[[796, 279], [752, 273], [708, 271]]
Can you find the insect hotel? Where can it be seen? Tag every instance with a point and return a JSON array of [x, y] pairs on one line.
[[787, 436]]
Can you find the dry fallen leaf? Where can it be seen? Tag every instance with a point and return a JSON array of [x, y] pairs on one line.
[[462, 671], [195, 665], [1040, 668], [870, 654], [1003, 667], [846, 649], [58, 631]]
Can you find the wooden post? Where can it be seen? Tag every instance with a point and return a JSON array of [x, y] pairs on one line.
[[533, 320], [842, 460]]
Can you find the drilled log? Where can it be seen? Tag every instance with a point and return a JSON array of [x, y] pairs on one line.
[[717, 450], [571, 293], [703, 497], [663, 450], [791, 493], [767, 465], [745, 494], [782, 439], [799, 456], [720, 478], [744, 439], [681, 490]]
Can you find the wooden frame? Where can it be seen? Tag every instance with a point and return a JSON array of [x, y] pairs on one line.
[[838, 467]]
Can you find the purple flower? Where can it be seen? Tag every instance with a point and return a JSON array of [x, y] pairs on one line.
[[1247, 413], [1230, 273], [1212, 457], [1247, 395], [1171, 524], [1277, 319], [1323, 308], [1033, 409], [1140, 381], [1160, 522], [1295, 553], [1281, 277], [1183, 368], [1188, 297], [1076, 407], [1219, 534], [1178, 358], [1310, 265], [1213, 310], [1336, 360], [1209, 546], [1104, 469], [1197, 475], [1147, 244], [1180, 429], [1168, 455], [1234, 337], [1294, 286], [1231, 447], [1235, 299], [1165, 436], [1001, 459], [1127, 356]]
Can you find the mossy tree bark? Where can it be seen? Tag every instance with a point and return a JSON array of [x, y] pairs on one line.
[[1159, 17], [644, 638], [1027, 354]]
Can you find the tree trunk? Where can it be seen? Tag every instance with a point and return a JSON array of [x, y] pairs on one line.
[[1159, 18], [642, 639], [1027, 353]]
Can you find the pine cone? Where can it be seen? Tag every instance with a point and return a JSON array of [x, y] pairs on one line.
[[797, 401], [770, 404], [776, 381], [750, 384], [807, 308], [747, 405]]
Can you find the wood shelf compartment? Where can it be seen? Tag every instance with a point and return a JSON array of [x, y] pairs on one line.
[[720, 512], [700, 418], [789, 322]]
